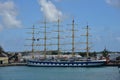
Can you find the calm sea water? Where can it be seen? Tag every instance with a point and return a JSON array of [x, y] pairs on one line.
[[47, 73]]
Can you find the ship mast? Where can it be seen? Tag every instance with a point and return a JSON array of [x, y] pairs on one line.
[[45, 38], [73, 36], [58, 37], [33, 40], [87, 41]]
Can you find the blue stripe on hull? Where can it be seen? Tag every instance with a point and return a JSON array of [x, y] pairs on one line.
[[65, 64]]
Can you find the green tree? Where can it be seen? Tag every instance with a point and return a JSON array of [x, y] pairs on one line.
[[93, 54], [1, 49], [105, 53]]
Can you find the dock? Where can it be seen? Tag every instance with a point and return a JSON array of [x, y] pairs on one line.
[[13, 64], [112, 64]]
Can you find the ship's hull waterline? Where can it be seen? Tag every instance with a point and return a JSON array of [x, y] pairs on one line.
[[66, 64]]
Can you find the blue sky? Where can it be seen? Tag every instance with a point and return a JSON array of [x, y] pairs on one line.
[[103, 17]]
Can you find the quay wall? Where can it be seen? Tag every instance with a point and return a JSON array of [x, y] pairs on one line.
[[13, 64]]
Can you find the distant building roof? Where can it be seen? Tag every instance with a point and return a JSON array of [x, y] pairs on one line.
[[3, 55]]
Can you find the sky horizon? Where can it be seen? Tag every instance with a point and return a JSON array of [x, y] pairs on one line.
[[102, 16]]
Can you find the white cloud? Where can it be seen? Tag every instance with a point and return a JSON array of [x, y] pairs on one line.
[[115, 3], [8, 15], [49, 10]]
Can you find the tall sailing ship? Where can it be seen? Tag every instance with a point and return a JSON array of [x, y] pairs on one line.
[[61, 60]]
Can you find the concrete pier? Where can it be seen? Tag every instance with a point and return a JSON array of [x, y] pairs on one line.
[[13, 64], [112, 64]]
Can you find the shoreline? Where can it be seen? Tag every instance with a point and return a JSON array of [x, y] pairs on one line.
[[13, 64]]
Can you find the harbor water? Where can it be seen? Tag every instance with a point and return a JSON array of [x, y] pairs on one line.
[[59, 73]]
